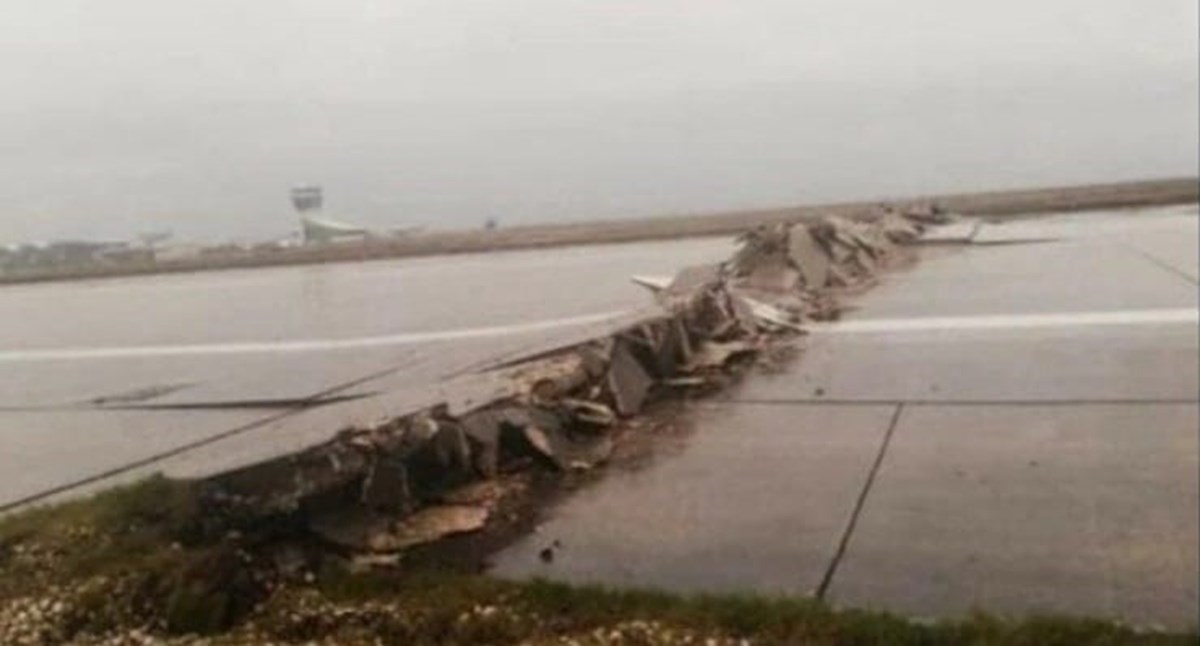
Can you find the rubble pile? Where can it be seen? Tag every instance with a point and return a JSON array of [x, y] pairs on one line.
[[380, 490]]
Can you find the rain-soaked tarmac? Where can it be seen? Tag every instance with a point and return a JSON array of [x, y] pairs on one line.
[[1010, 425], [262, 343]]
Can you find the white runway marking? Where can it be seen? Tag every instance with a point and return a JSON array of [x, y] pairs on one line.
[[1012, 321], [311, 345]]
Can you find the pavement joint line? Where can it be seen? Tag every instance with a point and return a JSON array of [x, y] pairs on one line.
[[184, 448], [1164, 265], [844, 542], [141, 462], [957, 402]]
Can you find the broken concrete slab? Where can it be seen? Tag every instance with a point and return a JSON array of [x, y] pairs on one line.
[[445, 460], [759, 245], [553, 377], [627, 380], [656, 284], [569, 454], [842, 230], [540, 440], [483, 429], [692, 279], [551, 410], [687, 382], [714, 355], [876, 241], [312, 428], [589, 413], [773, 316], [660, 345], [958, 232], [808, 256], [840, 276], [567, 451], [927, 214], [362, 530], [773, 275], [743, 310], [842, 252], [484, 493], [900, 229], [386, 487], [430, 524], [281, 486]]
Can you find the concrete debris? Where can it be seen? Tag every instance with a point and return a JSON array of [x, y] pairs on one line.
[[773, 316], [555, 377], [280, 486], [386, 487], [589, 413], [686, 382], [900, 229], [569, 454], [540, 441], [484, 493], [691, 279], [957, 232], [627, 380], [670, 347], [483, 430], [443, 461], [420, 430], [365, 531], [565, 450], [742, 308], [807, 255], [656, 284], [930, 213], [428, 525], [713, 354], [759, 246], [360, 563], [776, 275], [439, 472], [595, 357]]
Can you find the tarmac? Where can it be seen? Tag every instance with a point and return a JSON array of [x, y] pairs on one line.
[[1010, 426], [103, 382]]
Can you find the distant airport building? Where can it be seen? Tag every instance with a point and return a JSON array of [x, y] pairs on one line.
[[322, 230], [317, 229]]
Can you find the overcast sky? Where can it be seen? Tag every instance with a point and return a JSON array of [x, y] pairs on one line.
[[128, 115]]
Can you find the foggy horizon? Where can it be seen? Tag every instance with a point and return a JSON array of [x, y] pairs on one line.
[[198, 118]]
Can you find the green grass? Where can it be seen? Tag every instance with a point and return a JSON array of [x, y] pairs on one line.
[[580, 609], [156, 554], [119, 529]]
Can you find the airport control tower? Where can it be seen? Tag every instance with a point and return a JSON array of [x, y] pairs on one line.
[[307, 198]]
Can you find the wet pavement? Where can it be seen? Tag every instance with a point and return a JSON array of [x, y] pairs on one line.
[[1008, 426], [225, 367], [338, 301]]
